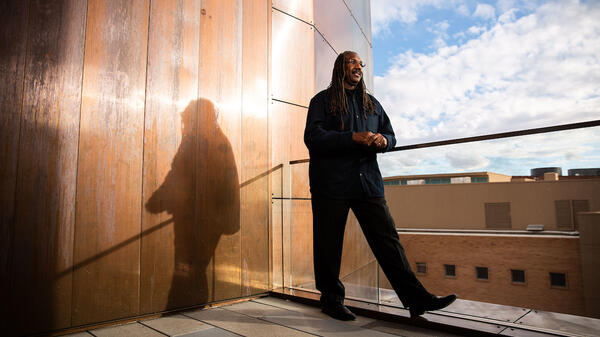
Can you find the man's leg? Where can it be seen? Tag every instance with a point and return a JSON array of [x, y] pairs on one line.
[[329, 222], [380, 231]]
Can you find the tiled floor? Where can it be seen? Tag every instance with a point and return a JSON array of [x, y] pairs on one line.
[[266, 316]]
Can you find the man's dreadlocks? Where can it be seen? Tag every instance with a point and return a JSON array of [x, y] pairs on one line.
[[337, 94]]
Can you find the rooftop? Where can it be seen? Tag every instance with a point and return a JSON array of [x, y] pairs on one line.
[[295, 313]]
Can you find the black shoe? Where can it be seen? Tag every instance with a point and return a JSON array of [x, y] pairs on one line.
[[338, 311], [435, 303]]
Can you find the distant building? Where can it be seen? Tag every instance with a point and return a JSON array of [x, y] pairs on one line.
[[509, 241], [540, 171], [447, 178], [585, 172]]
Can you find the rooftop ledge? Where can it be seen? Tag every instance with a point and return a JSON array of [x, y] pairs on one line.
[[488, 232], [463, 317]]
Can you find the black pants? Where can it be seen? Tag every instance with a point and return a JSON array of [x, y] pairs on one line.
[[329, 222]]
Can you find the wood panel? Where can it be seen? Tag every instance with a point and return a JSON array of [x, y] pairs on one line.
[[293, 59], [218, 182], [254, 188], [44, 218], [173, 273], [109, 186], [14, 18]]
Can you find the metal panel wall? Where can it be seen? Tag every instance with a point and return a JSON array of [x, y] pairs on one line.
[[134, 139], [343, 32], [108, 213], [338, 28], [43, 226], [220, 145], [301, 9], [13, 40], [292, 60], [172, 274], [255, 159]]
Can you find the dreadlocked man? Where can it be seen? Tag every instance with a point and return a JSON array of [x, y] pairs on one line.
[[345, 129]]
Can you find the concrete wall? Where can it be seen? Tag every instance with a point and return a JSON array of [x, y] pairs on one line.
[[462, 206]]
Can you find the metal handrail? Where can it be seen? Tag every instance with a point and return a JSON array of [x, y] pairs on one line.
[[500, 135]]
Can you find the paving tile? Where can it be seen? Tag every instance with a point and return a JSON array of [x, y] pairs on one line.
[[176, 325], [499, 312], [211, 332], [126, 330], [80, 334], [406, 330], [322, 326], [523, 333], [562, 322], [241, 324], [307, 309]]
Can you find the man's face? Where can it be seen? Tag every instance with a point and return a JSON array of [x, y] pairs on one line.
[[352, 71]]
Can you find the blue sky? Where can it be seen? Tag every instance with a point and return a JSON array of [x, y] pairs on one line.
[[455, 68]]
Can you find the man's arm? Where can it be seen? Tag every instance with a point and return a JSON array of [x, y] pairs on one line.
[[318, 138]]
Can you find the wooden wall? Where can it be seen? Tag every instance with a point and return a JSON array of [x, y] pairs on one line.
[[134, 145]]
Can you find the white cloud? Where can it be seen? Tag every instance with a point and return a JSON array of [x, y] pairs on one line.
[[384, 12], [475, 30], [485, 11], [513, 156], [466, 160], [541, 69]]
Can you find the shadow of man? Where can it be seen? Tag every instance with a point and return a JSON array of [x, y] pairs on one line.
[[202, 193]]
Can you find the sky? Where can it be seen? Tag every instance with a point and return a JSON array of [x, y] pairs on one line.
[[448, 69]]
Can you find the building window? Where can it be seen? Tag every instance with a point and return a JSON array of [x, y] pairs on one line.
[[421, 267], [450, 270], [497, 215], [558, 280], [482, 273], [517, 276]]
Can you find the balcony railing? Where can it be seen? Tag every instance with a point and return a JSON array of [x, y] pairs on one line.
[[468, 249]]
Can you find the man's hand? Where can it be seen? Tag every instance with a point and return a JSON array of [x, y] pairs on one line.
[[379, 141], [364, 138], [368, 138]]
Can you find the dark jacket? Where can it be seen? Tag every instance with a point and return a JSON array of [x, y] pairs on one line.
[[339, 167]]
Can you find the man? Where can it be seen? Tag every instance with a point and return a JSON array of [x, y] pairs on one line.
[[345, 129]]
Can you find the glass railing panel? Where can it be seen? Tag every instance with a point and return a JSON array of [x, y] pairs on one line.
[[474, 221], [482, 220]]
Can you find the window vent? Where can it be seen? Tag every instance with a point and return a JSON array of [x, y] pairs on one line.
[[497, 215], [482, 273], [517, 276], [558, 280]]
